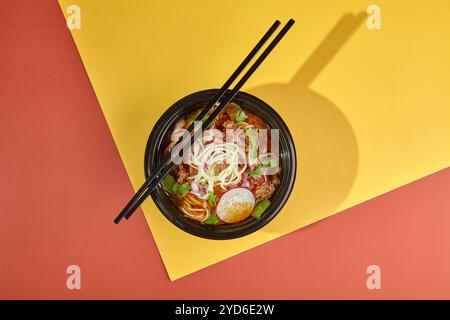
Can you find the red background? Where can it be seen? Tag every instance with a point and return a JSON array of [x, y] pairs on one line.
[[63, 182]]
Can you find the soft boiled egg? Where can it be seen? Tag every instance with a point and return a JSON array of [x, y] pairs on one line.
[[235, 205]]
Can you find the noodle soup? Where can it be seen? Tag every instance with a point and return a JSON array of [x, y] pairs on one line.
[[230, 173]]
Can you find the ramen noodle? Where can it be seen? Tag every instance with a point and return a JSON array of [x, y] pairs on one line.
[[229, 174]]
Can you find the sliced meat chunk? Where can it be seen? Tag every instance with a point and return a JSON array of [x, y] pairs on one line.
[[182, 174], [255, 122], [228, 124], [192, 171], [264, 191]]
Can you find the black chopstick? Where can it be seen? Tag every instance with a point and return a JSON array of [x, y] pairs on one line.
[[214, 114], [160, 174], [167, 159]]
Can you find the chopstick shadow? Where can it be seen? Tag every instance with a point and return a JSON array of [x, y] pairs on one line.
[[327, 150]]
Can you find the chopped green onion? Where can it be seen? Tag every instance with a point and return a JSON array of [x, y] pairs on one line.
[[240, 116], [193, 116], [260, 208], [252, 135], [235, 112]]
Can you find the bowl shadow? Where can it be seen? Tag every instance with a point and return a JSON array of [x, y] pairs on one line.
[[327, 150]]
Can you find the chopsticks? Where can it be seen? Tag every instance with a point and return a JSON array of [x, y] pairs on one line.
[[167, 164]]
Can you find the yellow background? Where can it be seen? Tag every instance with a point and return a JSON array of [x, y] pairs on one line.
[[369, 109]]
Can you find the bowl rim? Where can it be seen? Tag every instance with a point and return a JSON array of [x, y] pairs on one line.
[[177, 218]]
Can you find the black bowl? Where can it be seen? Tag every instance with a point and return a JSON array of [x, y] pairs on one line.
[[159, 138]]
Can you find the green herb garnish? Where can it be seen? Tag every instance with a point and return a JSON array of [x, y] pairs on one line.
[[193, 116], [235, 112], [213, 219], [260, 208], [212, 198], [168, 183], [181, 190], [171, 186], [240, 116], [252, 135], [257, 172]]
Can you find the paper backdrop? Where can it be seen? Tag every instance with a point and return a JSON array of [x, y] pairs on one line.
[[369, 110]]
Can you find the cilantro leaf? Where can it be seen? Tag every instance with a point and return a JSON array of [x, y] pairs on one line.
[[260, 170], [181, 190], [171, 186], [256, 173], [168, 183]]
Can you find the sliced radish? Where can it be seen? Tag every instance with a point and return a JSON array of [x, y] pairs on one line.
[[235, 205]]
